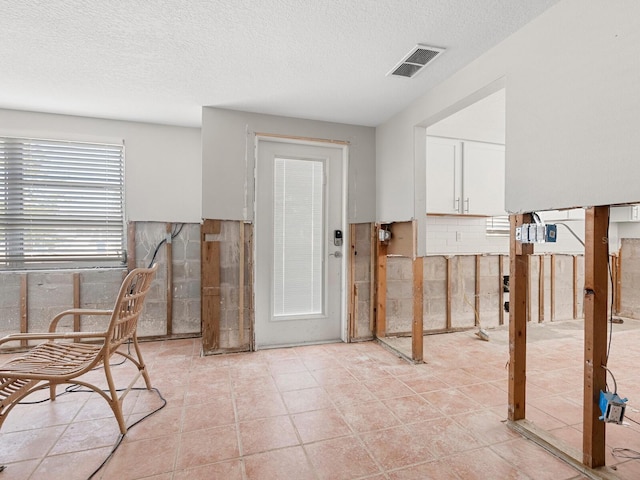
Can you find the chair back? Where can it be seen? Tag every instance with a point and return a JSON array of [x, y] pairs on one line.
[[128, 306]]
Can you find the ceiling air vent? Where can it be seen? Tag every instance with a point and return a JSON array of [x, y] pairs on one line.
[[415, 61]]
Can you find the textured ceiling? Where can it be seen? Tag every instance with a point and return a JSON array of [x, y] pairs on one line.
[[162, 60]]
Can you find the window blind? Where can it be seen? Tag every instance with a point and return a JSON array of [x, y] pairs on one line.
[[61, 204]]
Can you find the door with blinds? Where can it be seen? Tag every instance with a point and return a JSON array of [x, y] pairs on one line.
[[299, 244]]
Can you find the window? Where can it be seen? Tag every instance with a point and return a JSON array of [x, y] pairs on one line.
[[61, 204], [498, 226]]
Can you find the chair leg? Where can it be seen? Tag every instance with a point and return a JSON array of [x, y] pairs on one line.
[[142, 367], [114, 401]]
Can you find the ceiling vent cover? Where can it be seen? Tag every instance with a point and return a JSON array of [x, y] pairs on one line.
[[415, 61]]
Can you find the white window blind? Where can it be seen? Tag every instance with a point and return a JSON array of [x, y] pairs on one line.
[[61, 204], [298, 237]]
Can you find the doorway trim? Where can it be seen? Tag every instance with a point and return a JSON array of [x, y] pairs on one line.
[[341, 145]]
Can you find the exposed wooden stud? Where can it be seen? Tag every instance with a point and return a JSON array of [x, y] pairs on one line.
[[500, 291], [618, 284], [449, 294], [541, 288], [169, 261], [249, 281], [575, 287], [241, 282], [24, 307], [418, 310], [353, 296], [210, 285], [552, 287], [529, 283], [372, 277], [381, 291], [131, 246], [476, 304], [595, 332], [519, 255], [76, 304]]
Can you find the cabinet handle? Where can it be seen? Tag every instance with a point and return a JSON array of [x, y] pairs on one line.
[[456, 205], [466, 203]]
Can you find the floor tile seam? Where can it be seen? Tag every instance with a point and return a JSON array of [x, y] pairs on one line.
[[538, 448]]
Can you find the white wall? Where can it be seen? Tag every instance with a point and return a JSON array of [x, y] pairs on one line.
[[228, 160], [162, 163], [571, 79]]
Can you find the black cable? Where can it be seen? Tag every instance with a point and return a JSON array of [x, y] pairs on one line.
[[174, 233], [121, 437], [625, 453]]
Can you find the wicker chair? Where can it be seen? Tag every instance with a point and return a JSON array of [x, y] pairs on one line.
[[63, 359]]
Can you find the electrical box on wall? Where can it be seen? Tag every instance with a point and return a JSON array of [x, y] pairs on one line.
[[536, 233], [612, 407]]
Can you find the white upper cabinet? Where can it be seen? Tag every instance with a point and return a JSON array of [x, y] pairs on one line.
[[465, 177]]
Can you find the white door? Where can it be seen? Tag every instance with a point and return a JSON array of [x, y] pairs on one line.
[[299, 243]]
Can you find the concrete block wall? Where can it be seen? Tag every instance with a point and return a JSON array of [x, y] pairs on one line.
[[230, 338], [399, 298], [186, 278], [362, 281], [630, 261], [51, 291]]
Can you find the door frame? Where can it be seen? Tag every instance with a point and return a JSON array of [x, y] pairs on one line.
[[344, 267]]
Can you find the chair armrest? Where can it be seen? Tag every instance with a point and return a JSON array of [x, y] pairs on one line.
[[52, 336], [75, 311]]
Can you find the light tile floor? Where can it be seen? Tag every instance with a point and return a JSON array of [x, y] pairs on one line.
[[338, 411]]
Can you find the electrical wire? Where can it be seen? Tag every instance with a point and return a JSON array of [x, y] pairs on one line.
[[625, 453], [121, 437], [174, 233]]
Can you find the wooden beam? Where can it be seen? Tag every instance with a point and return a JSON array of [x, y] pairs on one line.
[[476, 303], [449, 294], [418, 310], [552, 287], [353, 297], [24, 307], [131, 246], [241, 283], [76, 304], [210, 285], [618, 284], [575, 287], [500, 291], [381, 291], [519, 255], [595, 332], [372, 277], [529, 283], [541, 288], [169, 256]]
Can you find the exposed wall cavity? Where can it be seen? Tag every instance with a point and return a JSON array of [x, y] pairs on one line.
[[362, 268]]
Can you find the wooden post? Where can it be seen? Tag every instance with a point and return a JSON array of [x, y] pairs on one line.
[[169, 255], [353, 297], [76, 304], [418, 310], [24, 306], [373, 240], [500, 292], [552, 286], [519, 255], [131, 246], [476, 304], [529, 283], [210, 285], [448, 280], [618, 285], [595, 332], [381, 291], [575, 287], [541, 288], [241, 283]]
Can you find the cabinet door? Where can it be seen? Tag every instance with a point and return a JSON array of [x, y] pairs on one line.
[[444, 159], [483, 179]]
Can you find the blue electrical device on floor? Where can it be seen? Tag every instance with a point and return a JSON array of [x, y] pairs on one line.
[[612, 407]]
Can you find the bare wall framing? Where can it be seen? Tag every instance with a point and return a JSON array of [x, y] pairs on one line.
[[29, 300]]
